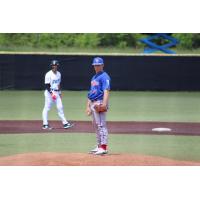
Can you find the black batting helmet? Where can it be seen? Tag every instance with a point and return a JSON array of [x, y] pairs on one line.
[[54, 62]]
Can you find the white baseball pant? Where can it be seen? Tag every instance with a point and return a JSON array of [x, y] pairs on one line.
[[48, 104]]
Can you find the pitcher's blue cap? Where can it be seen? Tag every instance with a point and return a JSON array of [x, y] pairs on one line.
[[97, 61]]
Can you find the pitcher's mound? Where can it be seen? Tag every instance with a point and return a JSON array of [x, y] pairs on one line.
[[81, 159]]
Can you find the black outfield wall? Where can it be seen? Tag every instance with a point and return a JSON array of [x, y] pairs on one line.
[[168, 73]]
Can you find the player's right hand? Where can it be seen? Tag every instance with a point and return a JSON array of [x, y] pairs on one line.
[[53, 96], [88, 111]]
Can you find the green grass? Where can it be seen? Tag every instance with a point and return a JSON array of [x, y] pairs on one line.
[[58, 142], [175, 147], [99, 50], [155, 106], [18, 49], [124, 106]]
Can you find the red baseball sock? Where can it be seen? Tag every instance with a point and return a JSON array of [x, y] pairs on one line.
[[104, 146]]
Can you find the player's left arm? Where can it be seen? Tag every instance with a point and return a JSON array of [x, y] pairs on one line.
[[59, 88], [106, 89], [105, 98]]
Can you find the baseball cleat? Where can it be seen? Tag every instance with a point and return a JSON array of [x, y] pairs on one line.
[[45, 127], [94, 150], [68, 125], [101, 151]]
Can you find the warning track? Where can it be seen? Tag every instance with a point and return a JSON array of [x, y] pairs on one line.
[[35, 126]]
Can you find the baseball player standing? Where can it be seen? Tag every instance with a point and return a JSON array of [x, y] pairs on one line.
[[97, 105], [53, 95]]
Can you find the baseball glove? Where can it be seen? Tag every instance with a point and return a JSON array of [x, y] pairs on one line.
[[100, 108]]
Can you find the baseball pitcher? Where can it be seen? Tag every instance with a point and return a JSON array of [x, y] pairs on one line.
[[53, 96], [97, 105]]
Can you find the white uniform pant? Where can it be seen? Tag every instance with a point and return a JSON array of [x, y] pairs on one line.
[[48, 104], [99, 123]]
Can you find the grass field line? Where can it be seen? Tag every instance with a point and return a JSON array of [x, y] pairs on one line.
[[93, 54]]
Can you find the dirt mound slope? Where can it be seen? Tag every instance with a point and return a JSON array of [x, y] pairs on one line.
[[83, 159]]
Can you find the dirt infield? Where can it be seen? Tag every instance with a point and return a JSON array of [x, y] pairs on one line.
[[35, 126], [80, 159]]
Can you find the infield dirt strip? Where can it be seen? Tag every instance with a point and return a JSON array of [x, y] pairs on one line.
[[35, 126]]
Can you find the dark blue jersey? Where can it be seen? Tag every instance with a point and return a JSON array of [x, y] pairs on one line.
[[99, 83]]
